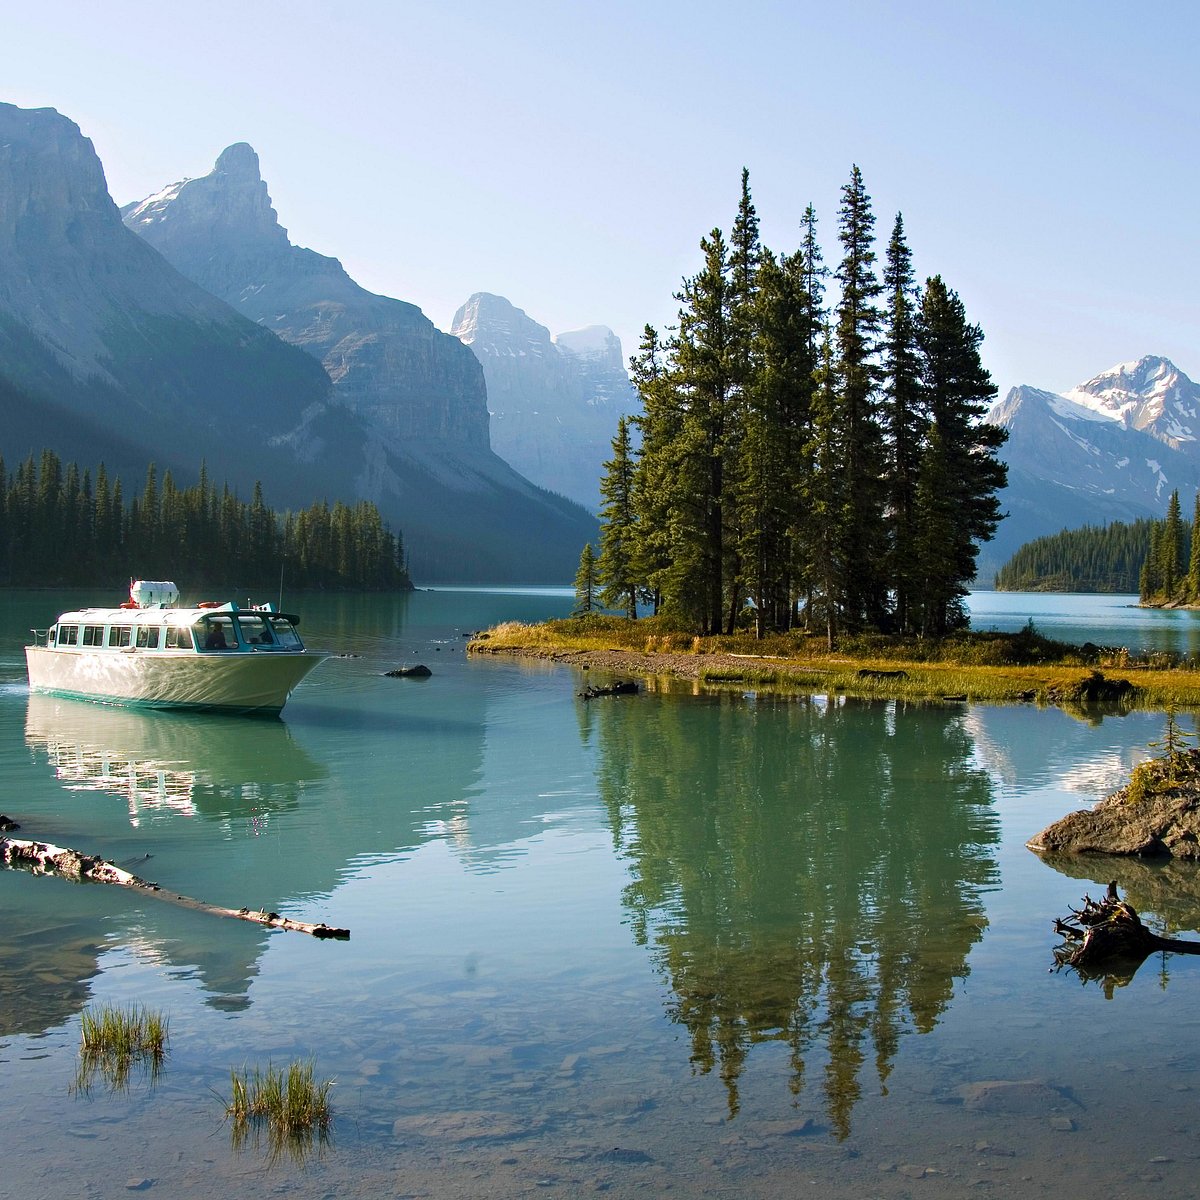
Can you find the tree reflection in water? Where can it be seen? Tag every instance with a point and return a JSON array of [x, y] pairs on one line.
[[806, 871]]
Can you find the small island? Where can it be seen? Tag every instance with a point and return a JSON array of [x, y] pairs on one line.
[[1024, 666]]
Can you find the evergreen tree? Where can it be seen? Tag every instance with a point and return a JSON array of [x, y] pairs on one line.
[[856, 333], [1193, 576], [905, 419], [775, 473], [939, 591], [703, 378], [586, 583], [1170, 543], [957, 390], [656, 478], [616, 565], [827, 565]]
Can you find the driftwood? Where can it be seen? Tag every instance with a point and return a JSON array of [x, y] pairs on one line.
[[591, 692], [1106, 939], [44, 859]]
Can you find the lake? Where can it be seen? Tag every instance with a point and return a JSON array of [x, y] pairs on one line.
[[708, 944]]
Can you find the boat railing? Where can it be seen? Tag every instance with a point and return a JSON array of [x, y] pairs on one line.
[[41, 637]]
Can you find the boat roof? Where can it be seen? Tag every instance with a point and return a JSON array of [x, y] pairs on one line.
[[161, 615]]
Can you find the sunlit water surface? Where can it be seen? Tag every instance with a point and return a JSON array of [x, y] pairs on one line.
[[716, 945]]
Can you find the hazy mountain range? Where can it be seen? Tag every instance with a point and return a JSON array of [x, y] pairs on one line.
[[1110, 449], [194, 329], [200, 332], [554, 401]]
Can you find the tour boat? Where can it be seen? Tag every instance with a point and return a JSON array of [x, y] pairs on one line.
[[155, 653]]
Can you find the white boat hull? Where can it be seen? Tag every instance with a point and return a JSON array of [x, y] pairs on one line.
[[244, 683]]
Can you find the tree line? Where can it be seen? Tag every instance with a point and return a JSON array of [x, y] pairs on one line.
[[1094, 558], [824, 464], [59, 527], [1171, 571]]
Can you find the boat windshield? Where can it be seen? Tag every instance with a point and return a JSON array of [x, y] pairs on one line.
[[216, 632], [255, 631], [285, 633]]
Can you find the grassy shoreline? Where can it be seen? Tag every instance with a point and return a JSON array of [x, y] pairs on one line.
[[1021, 667]]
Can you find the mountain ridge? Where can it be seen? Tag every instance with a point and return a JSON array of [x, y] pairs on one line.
[[1112, 448], [555, 400], [419, 395]]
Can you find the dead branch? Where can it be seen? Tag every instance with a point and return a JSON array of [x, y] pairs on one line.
[[41, 858], [1107, 937]]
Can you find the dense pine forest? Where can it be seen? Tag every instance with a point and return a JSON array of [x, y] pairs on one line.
[[1171, 571], [1096, 558], [59, 527], [823, 466]]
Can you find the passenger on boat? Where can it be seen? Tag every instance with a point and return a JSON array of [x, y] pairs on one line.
[[215, 639]]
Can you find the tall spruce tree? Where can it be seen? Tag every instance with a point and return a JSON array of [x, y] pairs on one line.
[[1169, 548], [957, 390], [586, 583], [1193, 575], [857, 325], [776, 463], [702, 375], [905, 420], [746, 255], [656, 479], [617, 564], [826, 565]]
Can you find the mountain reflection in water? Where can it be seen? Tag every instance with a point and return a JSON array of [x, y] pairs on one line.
[[812, 878]]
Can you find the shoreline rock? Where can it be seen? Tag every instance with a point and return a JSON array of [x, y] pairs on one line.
[[1159, 823]]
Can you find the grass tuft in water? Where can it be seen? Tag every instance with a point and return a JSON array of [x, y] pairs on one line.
[[112, 1041], [290, 1105]]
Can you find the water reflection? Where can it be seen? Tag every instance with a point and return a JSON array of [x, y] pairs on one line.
[[286, 834], [1165, 893], [162, 763], [806, 872]]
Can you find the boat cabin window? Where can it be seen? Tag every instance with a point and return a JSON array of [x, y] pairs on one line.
[[93, 635], [255, 631], [285, 634], [149, 637], [120, 635], [68, 635], [216, 633], [179, 637]]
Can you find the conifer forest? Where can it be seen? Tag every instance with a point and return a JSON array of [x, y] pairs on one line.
[[812, 462], [58, 527]]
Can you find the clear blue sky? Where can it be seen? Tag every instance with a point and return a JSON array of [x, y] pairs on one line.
[[570, 156]]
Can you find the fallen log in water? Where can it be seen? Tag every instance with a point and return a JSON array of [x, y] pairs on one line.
[[41, 858], [1107, 937], [623, 688]]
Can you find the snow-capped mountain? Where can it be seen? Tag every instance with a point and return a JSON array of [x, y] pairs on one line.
[[554, 401], [1110, 449], [1151, 394]]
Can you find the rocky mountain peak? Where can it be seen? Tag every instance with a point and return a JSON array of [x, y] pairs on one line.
[[232, 200], [490, 324], [1151, 394], [555, 402], [52, 186], [595, 343], [240, 159]]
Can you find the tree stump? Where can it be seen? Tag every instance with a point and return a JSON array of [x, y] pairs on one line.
[[1106, 938]]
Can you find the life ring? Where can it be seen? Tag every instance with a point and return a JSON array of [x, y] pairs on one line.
[[208, 604], [130, 604]]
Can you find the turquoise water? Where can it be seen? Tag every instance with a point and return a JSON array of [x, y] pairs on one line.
[[717, 945]]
